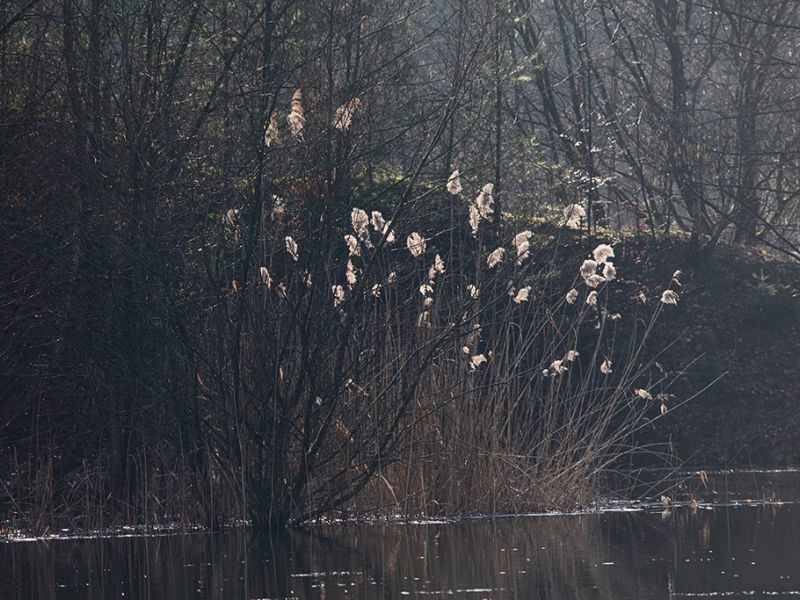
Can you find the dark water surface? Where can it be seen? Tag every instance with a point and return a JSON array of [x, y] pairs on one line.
[[742, 548]]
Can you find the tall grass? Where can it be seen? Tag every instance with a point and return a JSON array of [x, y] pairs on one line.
[[513, 433], [414, 365], [447, 375]]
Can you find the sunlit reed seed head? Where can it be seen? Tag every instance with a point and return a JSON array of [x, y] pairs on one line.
[[280, 290], [465, 350], [663, 408], [495, 257], [588, 268], [605, 368], [571, 355], [436, 268], [609, 271], [454, 183], [230, 222], [485, 201], [595, 280], [391, 278], [343, 117], [643, 394], [278, 207], [642, 298], [571, 296], [424, 319], [676, 277], [342, 429], [291, 248], [474, 292], [474, 220], [522, 244], [265, 277], [416, 244], [591, 299], [669, 297], [271, 134], [557, 367], [574, 215], [474, 335], [389, 233], [350, 274], [359, 220], [523, 295], [338, 294], [296, 117], [377, 221], [376, 290], [425, 289], [438, 264], [476, 361], [231, 217], [352, 245], [428, 302], [521, 238], [308, 279], [602, 253]]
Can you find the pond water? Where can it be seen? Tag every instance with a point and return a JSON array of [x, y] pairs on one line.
[[743, 544]]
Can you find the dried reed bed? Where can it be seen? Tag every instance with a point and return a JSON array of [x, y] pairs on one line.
[[447, 375], [534, 426], [395, 366]]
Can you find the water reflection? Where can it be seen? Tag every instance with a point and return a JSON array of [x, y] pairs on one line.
[[730, 551]]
